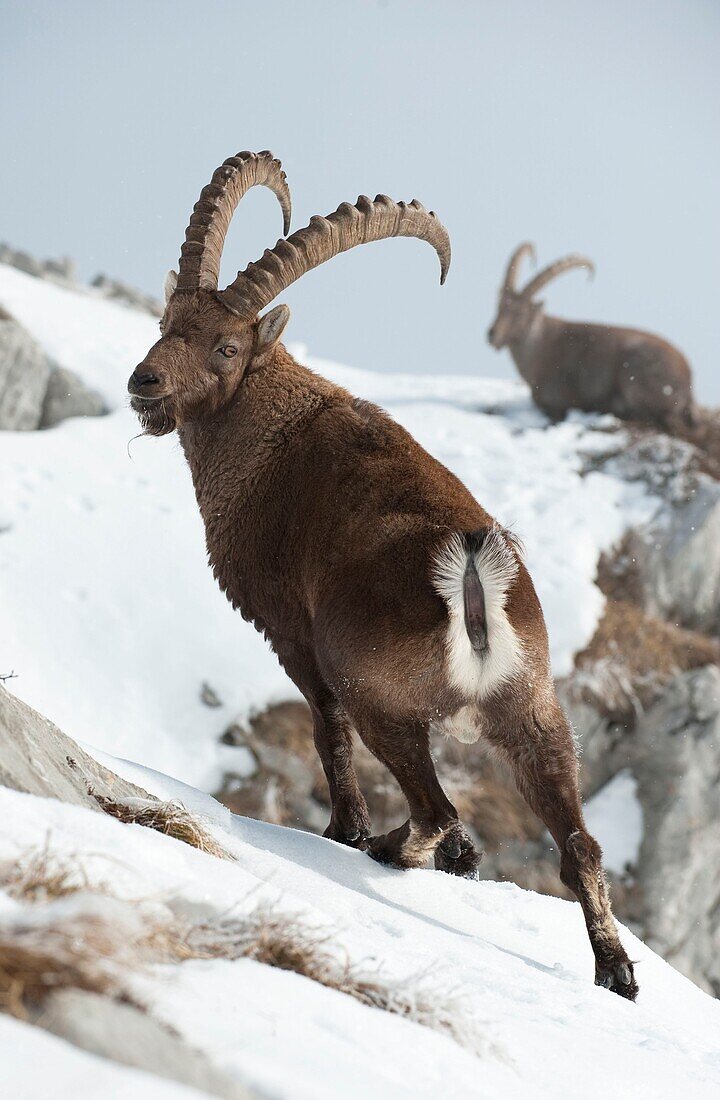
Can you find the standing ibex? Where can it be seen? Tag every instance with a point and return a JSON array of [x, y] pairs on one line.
[[595, 368], [392, 599]]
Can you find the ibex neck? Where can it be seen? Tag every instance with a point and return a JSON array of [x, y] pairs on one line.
[[525, 350], [230, 451]]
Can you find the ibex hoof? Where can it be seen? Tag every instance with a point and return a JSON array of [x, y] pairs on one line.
[[354, 836], [618, 978], [456, 854]]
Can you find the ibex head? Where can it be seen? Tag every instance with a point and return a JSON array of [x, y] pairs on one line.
[[517, 309], [212, 338]]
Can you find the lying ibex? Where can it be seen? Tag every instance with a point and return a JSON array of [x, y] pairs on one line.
[[595, 368], [392, 599]]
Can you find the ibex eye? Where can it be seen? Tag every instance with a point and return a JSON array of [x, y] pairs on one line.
[[228, 351]]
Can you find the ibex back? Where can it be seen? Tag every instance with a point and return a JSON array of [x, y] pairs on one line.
[[392, 599]]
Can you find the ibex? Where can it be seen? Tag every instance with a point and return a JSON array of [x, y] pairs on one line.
[[397, 605], [595, 368]]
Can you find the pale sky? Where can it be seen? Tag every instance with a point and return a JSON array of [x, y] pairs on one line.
[[583, 126]]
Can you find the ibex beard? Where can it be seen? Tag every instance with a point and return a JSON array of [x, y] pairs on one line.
[[391, 598]]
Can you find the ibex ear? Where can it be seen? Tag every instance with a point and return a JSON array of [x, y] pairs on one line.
[[271, 327], [170, 283]]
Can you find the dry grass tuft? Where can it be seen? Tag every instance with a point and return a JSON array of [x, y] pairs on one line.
[[93, 943], [170, 818], [290, 943], [88, 950], [632, 655], [41, 875]]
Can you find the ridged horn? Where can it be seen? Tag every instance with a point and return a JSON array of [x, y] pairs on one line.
[[511, 274], [366, 221], [553, 270], [205, 235]]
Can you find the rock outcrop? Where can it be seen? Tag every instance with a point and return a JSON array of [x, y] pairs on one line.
[[66, 396], [24, 377], [38, 758], [34, 391], [672, 564]]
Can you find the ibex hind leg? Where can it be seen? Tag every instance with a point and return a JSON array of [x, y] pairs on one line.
[[433, 829], [541, 753]]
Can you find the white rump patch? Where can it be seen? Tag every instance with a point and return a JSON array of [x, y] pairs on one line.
[[475, 675]]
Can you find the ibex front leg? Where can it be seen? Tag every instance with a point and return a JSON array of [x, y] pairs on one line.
[[349, 817], [332, 734], [542, 755]]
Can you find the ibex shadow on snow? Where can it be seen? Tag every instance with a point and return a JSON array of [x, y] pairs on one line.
[[397, 605], [594, 368]]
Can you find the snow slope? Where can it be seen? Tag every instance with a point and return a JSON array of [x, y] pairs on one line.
[[111, 619], [514, 967]]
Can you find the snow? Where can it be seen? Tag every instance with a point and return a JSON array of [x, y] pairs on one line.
[[614, 817], [39, 1058], [111, 618], [515, 967]]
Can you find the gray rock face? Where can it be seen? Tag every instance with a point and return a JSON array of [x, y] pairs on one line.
[[24, 375], [676, 557], [34, 392], [38, 758], [678, 766], [66, 396], [680, 556], [673, 751]]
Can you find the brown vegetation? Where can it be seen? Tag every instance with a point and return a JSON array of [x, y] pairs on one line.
[[98, 949], [169, 818], [40, 876], [88, 950], [292, 943], [642, 653]]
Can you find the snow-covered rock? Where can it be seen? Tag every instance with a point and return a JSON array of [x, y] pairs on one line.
[[25, 371], [678, 867], [34, 391], [673, 559], [655, 806], [38, 758], [67, 395]]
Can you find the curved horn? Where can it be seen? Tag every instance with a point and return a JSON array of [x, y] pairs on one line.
[[366, 221], [205, 235], [526, 249], [553, 270]]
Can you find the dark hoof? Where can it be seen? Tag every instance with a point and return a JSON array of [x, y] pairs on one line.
[[618, 978], [456, 855], [353, 836]]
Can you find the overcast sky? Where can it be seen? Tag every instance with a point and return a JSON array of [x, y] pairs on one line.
[[583, 126]]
